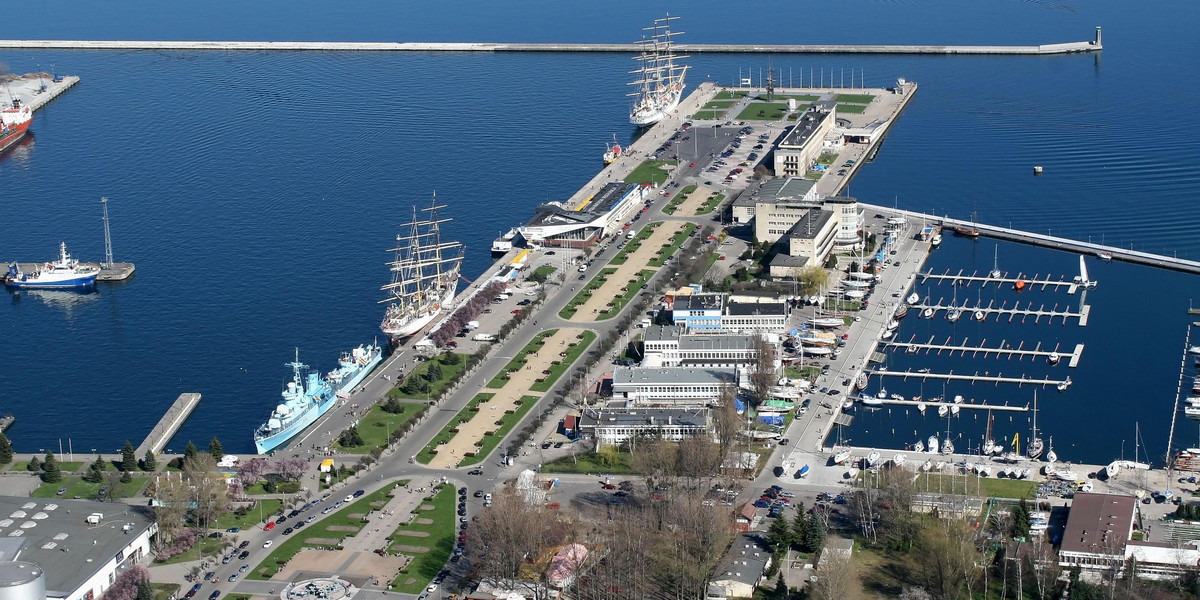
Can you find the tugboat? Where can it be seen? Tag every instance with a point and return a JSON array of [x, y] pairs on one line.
[[612, 151]]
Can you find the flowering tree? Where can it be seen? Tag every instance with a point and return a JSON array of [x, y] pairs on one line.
[[466, 313], [125, 586], [251, 471]]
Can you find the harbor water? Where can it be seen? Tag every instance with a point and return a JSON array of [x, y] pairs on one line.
[[257, 191]]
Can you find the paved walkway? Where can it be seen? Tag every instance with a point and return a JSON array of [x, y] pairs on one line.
[[626, 274], [695, 201], [471, 433]]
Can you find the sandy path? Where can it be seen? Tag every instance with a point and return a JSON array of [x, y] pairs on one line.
[[694, 201], [626, 273], [471, 433], [362, 564]]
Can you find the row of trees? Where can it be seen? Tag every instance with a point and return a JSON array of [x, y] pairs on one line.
[[466, 313], [284, 469]]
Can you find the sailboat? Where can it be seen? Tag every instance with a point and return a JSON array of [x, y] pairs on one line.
[[424, 274], [1051, 456], [954, 312], [989, 445], [947, 445], [1034, 449], [931, 445], [995, 274], [659, 80], [841, 456], [965, 230]]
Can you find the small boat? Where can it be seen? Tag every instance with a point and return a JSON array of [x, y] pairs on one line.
[[919, 446], [802, 473], [1086, 487], [983, 470], [931, 445], [883, 393], [979, 316], [901, 311], [1051, 456], [953, 315], [1111, 470], [893, 324], [898, 460], [927, 465], [1019, 285], [841, 456], [1002, 473], [1037, 170], [861, 275], [1025, 473], [1053, 358], [861, 381], [887, 335], [1104, 256], [939, 465], [854, 294], [923, 370], [914, 298], [852, 473], [869, 400], [967, 231], [1064, 384], [1011, 457], [816, 350], [947, 447], [958, 399], [826, 322], [612, 151], [847, 405], [954, 410], [936, 240], [1066, 474], [927, 313], [943, 410], [898, 397], [1050, 469], [1194, 350], [872, 458], [989, 446], [855, 283], [995, 273], [921, 407]]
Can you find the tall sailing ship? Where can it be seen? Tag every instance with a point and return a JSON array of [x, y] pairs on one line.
[[659, 80], [424, 274]]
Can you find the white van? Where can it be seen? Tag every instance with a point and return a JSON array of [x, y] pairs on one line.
[[629, 234]]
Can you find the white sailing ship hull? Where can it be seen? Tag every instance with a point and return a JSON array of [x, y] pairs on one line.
[[398, 328], [645, 116]]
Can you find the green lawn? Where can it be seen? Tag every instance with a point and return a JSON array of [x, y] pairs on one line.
[[827, 158], [319, 529], [78, 488], [568, 311], [541, 273], [491, 441], [204, 546], [238, 597], [801, 372], [669, 248], [440, 542], [711, 204], [633, 244], [435, 387], [64, 466], [983, 486], [630, 291], [266, 507], [590, 462], [375, 426], [709, 114], [720, 104], [678, 199], [763, 111], [162, 591], [519, 361], [728, 95], [851, 108], [448, 432], [574, 349], [650, 172], [855, 98]]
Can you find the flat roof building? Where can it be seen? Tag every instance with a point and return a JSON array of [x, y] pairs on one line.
[[670, 386], [794, 190], [672, 346], [79, 545], [618, 425], [1098, 527], [720, 312], [799, 149]]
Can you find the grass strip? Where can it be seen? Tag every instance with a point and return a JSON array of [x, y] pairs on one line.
[[265, 508], [673, 205], [435, 387], [650, 171], [490, 441], [631, 289], [519, 361], [851, 108], [855, 98], [572, 307], [570, 356], [633, 244], [375, 426], [440, 543], [669, 248], [711, 204]]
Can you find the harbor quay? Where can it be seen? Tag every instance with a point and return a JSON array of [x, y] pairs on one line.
[[36, 90]]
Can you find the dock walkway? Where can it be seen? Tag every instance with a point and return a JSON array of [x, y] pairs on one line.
[[975, 378], [933, 405], [1013, 313], [169, 423], [1001, 350], [1038, 50], [1031, 282]]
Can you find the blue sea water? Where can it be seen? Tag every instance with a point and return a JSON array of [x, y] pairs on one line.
[[258, 191]]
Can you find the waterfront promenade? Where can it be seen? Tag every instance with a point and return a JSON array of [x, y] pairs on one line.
[[1037, 50]]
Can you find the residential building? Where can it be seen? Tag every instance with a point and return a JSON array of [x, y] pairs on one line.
[[741, 569], [670, 386], [672, 346], [80, 546], [618, 425], [1098, 528], [798, 150]]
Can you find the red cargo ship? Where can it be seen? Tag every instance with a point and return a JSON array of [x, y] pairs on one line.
[[14, 124]]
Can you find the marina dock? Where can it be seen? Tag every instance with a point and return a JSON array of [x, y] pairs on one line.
[[1013, 313], [1030, 282], [976, 378], [933, 406], [1001, 350], [6, 421], [1038, 50], [170, 423], [38, 89]]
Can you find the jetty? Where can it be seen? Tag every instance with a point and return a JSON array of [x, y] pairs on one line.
[[297, 46], [6, 421], [170, 423], [975, 378], [1012, 313], [36, 90], [932, 406], [1030, 282], [1000, 351]]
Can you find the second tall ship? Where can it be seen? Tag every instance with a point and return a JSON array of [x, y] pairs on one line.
[[424, 274], [659, 80]]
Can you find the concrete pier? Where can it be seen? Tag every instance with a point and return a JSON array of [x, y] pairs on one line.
[[1014, 312], [170, 423], [1038, 50], [36, 90], [933, 406], [6, 421], [967, 280], [1001, 350]]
